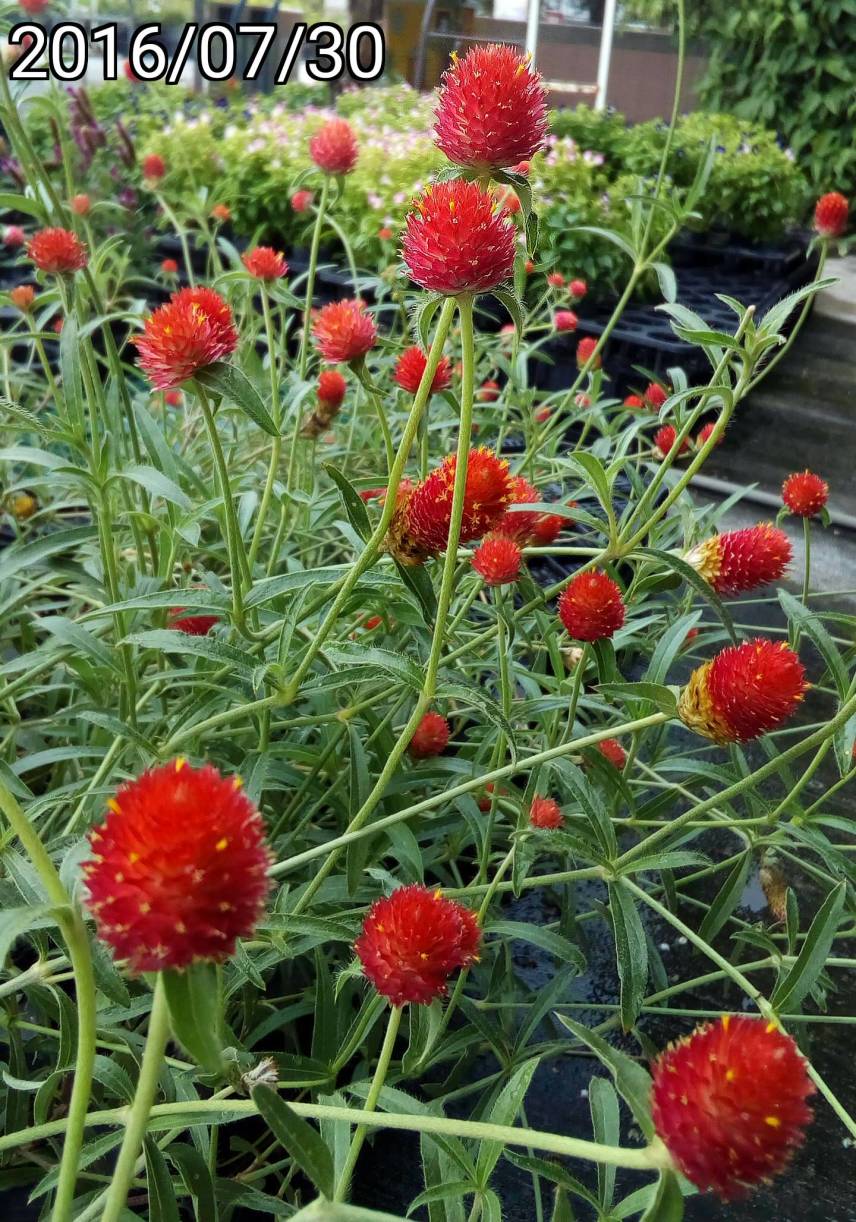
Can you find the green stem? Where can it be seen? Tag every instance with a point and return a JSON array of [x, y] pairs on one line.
[[648, 1158], [138, 1116], [371, 1102], [310, 277], [237, 560], [276, 447], [77, 942]]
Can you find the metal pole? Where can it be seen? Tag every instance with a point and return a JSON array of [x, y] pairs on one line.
[[605, 54], [533, 16]]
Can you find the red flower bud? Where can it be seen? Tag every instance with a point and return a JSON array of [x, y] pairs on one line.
[[745, 691], [805, 493], [591, 607]]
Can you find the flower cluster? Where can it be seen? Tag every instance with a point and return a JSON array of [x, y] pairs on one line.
[[193, 330]]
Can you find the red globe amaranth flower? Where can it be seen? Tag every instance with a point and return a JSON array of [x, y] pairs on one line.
[[740, 560], [655, 396], [153, 167], [488, 392], [301, 201], [430, 737], [343, 331], [555, 280], [508, 200], [492, 109], [130, 73], [22, 297], [585, 351], [612, 750], [831, 214], [13, 237], [578, 289], [173, 398], [705, 433], [591, 607], [666, 437], [58, 325], [193, 330], [729, 1102], [57, 251], [385, 234], [547, 529], [485, 802], [457, 241], [191, 624], [80, 205], [529, 267], [413, 940], [179, 868], [565, 320], [805, 493], [582, 400], [545, 814], [633, 402], [745, 691], [542, 415], [34, 7], [334, 148], [265, 263], [331, 391], [411, 366], [522, 168], [420, 526], [221, 213], [497, 561], [169, 267]]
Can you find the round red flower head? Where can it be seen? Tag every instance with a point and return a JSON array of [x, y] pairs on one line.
[[221, 213], [430, 737], [492, 109], [301, 201], [633, 402], [179, 868], [729, 1103], [745, 691], [578, 289], [80, 205], [334, 148], [805, 493], [191, 625], [488, 392], [34, 7], [332, 388], [555, 280], [655, 396], [591, 607], [413, 940], [343, 331], [585, 350], [831, 214], [612, 750], [57, 251], [153, 167], [528, 526], [193, 330], [13, 236], [456, 240], [705, 433], [742, 559], [497, 561], [411, 366], [173, 398], [544, 813], [265, 263], [666, 437], [420, 527], [169, 267], [565, 320]]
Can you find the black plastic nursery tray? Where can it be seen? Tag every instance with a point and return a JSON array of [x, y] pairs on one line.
[[644, 335]]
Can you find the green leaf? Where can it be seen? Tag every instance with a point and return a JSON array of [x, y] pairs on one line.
[[790, 991], [631, 950], [553, 943], [169, 640], [158, 484], [195, 1011], [727, 898], [662, 697], [632, 1082], [162, 1203], [14, 922], [504, 1111], [595, 476], [668, 1202], [28, 555], [397, 665], [695, 579], [328, 1211], [354, 506], [196, 1177], [235, 387], [69, 364], [603, 1103], [811, 625], [301, 1140]]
